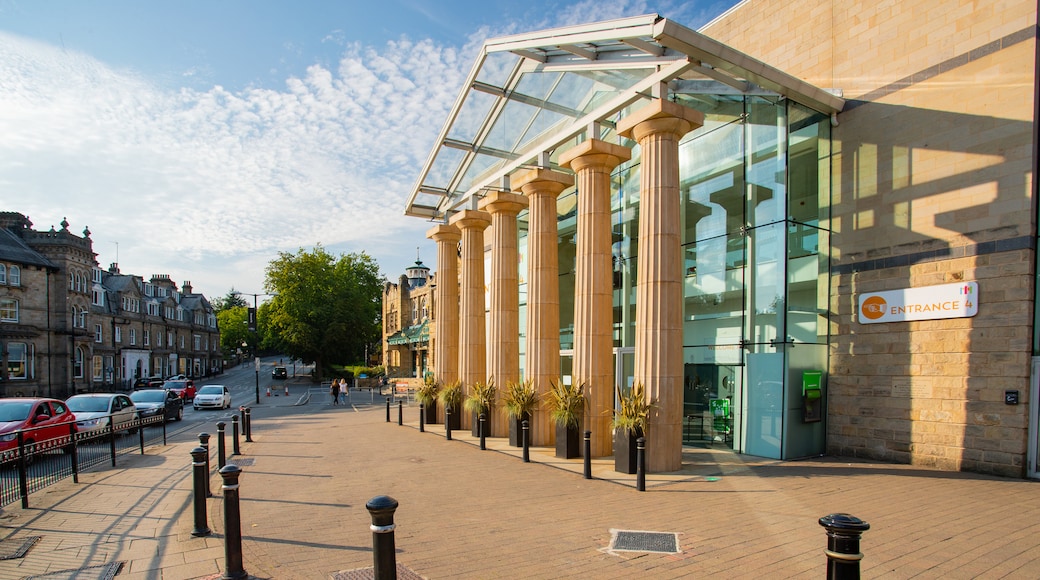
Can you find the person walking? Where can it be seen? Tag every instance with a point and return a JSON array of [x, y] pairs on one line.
[[335, 391], [344, 390]]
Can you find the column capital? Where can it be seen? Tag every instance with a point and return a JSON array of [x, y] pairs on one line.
[[471, 218], [444, 233], [541, 180], [503, 202], [660, 116], [595, 152]]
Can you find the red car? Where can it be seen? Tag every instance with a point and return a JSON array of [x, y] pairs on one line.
[[40, 419], [185, 388]]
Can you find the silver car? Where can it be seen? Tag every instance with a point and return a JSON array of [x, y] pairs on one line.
[[94, 411], [212, 397]]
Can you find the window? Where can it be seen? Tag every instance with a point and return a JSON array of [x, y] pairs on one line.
[[169, 338], [97, 368], [3, 274], [147, 337], [15, 277], [98, 336], [153, 309], [83, 318], [8, 310], [98, 297], [182, 341], [133, 337], [77, 369], [197, 342], [158, 338], [118, 334], [19, 355]]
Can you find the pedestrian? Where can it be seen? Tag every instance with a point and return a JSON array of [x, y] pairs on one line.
[[344, 390], [335, 391]]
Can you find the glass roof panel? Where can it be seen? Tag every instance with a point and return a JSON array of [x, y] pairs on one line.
[[482, 165], [497, 68], [544, 124], [444, 167], [471, 117], [510, 125]]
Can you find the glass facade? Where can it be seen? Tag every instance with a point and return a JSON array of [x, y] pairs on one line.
[[755, 188]]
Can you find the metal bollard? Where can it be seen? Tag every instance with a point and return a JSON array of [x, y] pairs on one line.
[[447, 423], [221, 447], [199, 476], [400, 413], [204, 443], [480, 428], [234, 435], [232, 525], [248, 424], [526, 440], [641, 464], [381, 509], [587, 452], [422, 418], [843, 555], [388, 409]]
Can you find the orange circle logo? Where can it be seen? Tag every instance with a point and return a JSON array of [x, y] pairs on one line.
[[874, 307]]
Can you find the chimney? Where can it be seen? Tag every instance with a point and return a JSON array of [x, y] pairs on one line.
[[186, 288], [114, 268]]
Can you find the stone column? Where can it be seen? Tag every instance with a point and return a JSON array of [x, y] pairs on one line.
[[541, 186], [592, 162], [659, 291], [504, 327], [446, 306], [472, 333]]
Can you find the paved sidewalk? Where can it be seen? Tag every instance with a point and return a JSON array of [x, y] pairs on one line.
[[467, 513]]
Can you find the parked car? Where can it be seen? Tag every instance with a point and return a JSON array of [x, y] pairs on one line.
[[41, 419], [153, 402], [95, 411], [185, 388], [279, 373], [177, 378], [212, 397], [148, 382]]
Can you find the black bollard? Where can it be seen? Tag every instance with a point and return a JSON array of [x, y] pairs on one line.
[[587, 451], [388, 409], [384, 555], [221, 447], [480, 429], [233, 569], [199, 476], [527, 440], [204, 443], [843, 555], [641, 464], [234, 435], [400, 413], [422, 418], [447, 423], [247, 424]]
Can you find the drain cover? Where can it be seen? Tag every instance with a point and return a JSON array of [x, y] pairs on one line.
[[631, 541], [102, 572], [242, 461], [403, 573], [11, 548]]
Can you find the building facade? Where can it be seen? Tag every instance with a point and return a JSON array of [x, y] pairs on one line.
[[809, 227], [408, 323], [68, 326]]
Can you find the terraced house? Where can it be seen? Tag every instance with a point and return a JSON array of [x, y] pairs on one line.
[[808, 227], [68, 326]]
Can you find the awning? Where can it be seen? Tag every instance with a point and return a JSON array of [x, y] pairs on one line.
[[411, 335], [529, 95]]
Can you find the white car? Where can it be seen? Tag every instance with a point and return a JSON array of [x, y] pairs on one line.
[[94, 411], [212, 397]]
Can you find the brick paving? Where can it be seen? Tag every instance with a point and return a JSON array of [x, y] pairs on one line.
[[467, 513]]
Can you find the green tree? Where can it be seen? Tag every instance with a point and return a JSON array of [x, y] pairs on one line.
[[233, 329], [325, 309], [230, 300]]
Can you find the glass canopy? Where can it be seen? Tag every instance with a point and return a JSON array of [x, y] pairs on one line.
[[529, 94]]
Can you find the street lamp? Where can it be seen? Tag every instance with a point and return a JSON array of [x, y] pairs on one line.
[[256, 338]]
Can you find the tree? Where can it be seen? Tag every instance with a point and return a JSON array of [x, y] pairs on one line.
[[325, 310], [232, 299], [233, 329]]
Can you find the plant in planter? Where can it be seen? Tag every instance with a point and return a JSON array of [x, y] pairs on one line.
[[481, 399], [566, 404], [629, 424], [427, 395], [450, 395], [520, 401]]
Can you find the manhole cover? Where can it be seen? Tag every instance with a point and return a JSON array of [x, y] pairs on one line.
[[631, 541], [242, 461], [403, 573], [11, 548], [102, 572]]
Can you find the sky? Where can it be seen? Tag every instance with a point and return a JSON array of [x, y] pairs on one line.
[[201, 138]]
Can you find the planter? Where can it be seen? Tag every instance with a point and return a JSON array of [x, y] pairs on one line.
[[430, 413], [516, 430], [568, 442], [455, 419], [625, 450], [476, 424]]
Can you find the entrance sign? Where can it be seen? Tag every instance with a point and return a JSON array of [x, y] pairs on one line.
[[928, 303]]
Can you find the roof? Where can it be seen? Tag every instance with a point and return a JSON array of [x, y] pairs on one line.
[[529, 94], [14, 249], [410, 335]]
